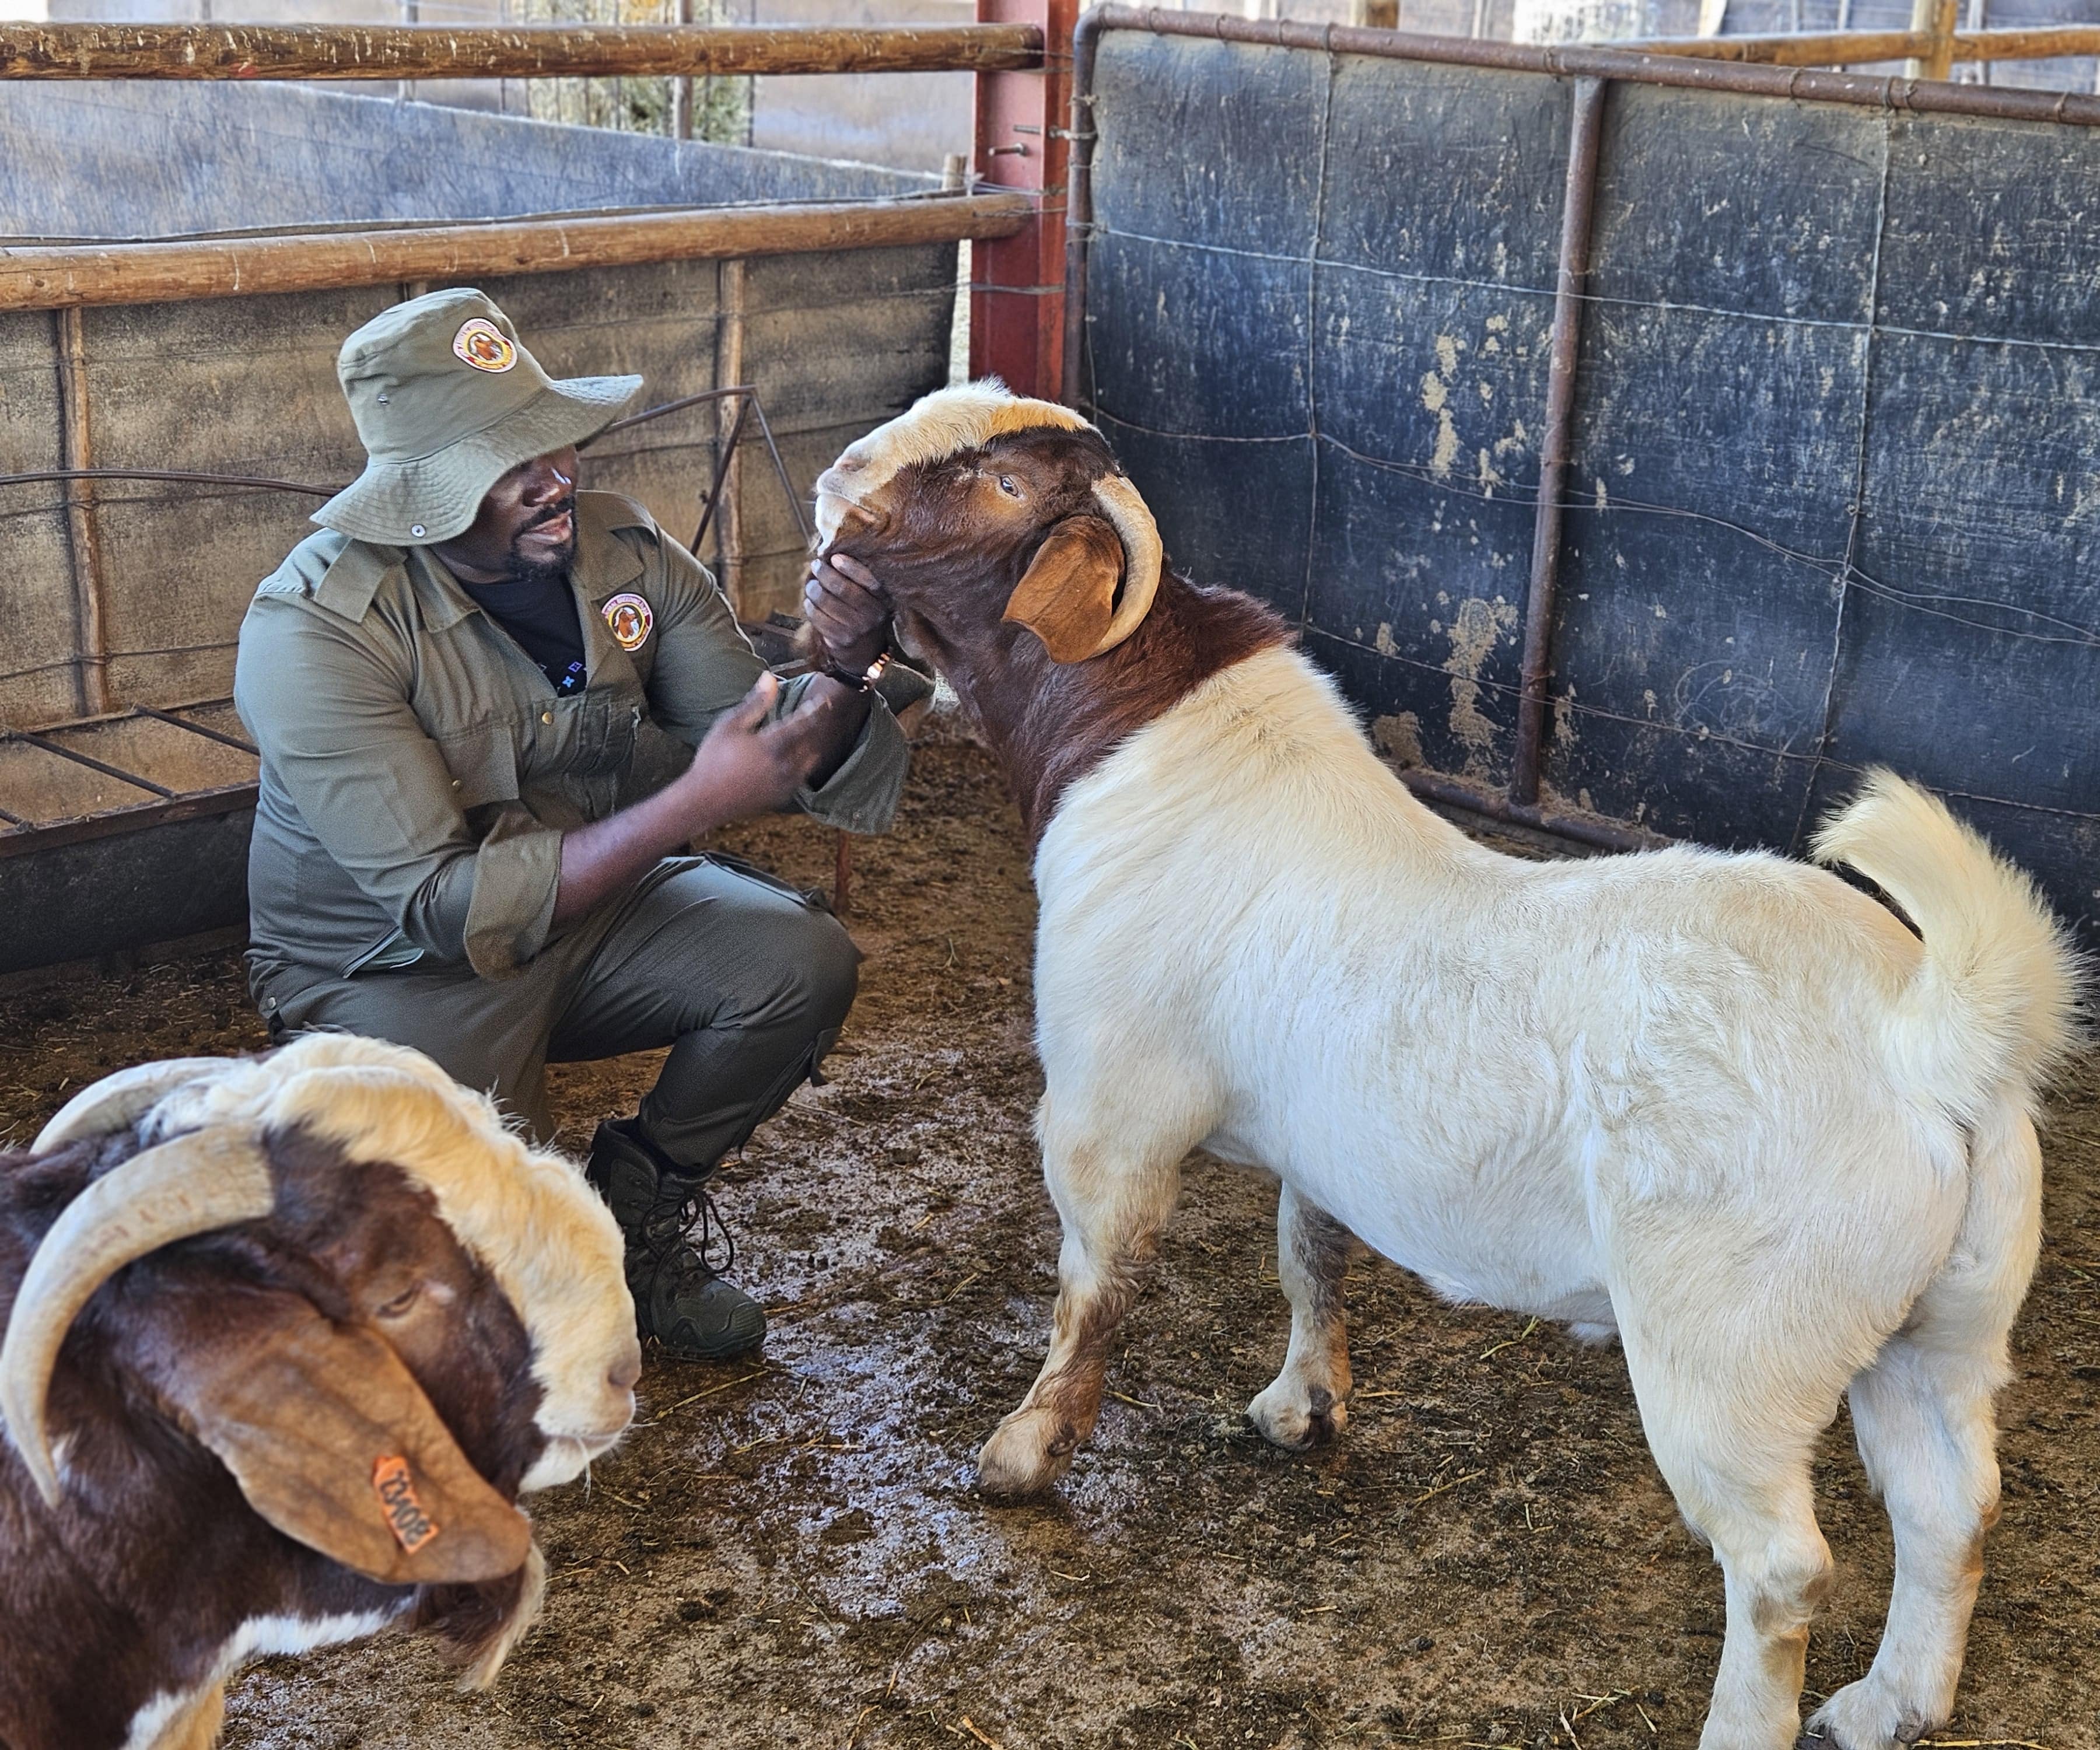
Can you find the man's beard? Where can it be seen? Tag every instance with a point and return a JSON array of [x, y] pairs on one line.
[[541, 572]]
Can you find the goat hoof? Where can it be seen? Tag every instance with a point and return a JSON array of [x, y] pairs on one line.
[[1867, 1715], [1026, 1455], [1296, 1418]]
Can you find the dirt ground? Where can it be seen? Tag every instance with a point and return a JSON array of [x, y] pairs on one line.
[[790, 1552]]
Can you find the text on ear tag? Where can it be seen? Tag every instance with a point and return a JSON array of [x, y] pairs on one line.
[[410, 1526]]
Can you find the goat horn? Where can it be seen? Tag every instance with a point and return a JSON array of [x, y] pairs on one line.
[[115, 1102], [204, 1180], [1143, 558]]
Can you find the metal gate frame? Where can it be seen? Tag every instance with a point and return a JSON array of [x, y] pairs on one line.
[[1594, 70]]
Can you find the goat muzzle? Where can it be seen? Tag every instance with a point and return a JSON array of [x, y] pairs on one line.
[[833, 503], [195, 1184]]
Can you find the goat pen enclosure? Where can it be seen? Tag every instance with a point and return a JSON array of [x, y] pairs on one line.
[[789, 1552], [825, 293], [1826, 406], [832, 343]]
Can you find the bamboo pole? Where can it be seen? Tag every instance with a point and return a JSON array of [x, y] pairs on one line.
[[91, 672], [1578, 207], [1934, 20], [30, 51], [1859, 48], [1812, 49], [175, 51], [49, 277], [2038, 43], [729, 427]]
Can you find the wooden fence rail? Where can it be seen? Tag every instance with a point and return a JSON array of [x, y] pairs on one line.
[[431, 52], [62, 275]]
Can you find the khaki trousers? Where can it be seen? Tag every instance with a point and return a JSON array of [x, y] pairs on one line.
[[744, 979]]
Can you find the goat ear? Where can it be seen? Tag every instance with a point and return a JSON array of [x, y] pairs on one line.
[[333, 1443], [1067, 595]]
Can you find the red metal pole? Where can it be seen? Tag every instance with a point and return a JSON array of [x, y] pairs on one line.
[[1017, 282]]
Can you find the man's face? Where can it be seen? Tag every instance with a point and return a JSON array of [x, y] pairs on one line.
[[527, 526]]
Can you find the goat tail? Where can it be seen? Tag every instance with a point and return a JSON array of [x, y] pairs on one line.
[[1992, 1011]]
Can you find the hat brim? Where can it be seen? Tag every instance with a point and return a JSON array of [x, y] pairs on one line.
[[434, 497]]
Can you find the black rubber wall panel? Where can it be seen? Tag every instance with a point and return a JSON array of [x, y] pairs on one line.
[[1835, 484], [75, 901], [1323, 366]]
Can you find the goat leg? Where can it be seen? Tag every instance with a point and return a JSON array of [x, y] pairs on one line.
[[1925, 1417], [1114, 1198], [1308, 1404]]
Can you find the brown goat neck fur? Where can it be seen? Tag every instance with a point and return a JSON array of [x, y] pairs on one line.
[[950, 581], [1049, 724]]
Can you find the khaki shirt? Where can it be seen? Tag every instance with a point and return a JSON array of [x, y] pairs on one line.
[[419, 771]]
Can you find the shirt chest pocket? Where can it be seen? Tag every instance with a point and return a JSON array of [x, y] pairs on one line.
[[484, 762], [604, 739], [598, 734]]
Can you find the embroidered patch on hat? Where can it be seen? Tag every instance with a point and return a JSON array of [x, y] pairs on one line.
[[484, 346], [405, 1518], [630, 618]]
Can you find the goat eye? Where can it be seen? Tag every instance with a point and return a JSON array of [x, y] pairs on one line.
[[401, 1302], [1006, 485]]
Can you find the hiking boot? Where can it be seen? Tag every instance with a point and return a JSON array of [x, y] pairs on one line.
[[680, 1297]]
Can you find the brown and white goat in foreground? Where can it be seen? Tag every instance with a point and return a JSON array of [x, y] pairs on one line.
[[1724, 1105], [286, 1338]]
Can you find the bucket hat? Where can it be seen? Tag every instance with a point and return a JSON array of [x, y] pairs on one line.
[[446, 401]]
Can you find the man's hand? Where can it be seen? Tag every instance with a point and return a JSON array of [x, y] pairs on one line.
[[745, 766], [849, 611]]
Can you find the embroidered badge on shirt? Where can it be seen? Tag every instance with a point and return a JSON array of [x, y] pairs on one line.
[[630, 619], [484, 346]]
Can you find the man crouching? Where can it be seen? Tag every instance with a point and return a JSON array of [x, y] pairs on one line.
[[493, 711]]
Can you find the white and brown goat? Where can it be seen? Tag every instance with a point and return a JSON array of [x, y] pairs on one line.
[[1725, 1106], [286, 1338]]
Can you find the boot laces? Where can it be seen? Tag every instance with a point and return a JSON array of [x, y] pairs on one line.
[[668, 1232]]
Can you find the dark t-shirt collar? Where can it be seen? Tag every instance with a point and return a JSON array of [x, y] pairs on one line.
[[540, 614]]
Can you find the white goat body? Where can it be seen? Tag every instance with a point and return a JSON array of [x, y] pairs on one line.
[[1723, 1104], [1476, 1063]]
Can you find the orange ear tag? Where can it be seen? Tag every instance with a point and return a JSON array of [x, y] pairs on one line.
[[410, 1526]]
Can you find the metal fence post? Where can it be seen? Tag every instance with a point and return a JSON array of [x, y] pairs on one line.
[[1017, 289], [1585, 130]]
